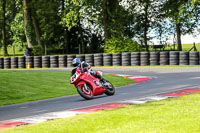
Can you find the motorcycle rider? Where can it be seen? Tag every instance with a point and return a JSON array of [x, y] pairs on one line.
[[85, 67]]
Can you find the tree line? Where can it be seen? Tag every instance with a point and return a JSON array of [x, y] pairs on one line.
[[92, 26]]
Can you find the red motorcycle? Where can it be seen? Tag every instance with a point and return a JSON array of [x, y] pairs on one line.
[[89, 86]]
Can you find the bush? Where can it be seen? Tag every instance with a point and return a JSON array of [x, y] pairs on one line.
[[37, 50], [118, 45]]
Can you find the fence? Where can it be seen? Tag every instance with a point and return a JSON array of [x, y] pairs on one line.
[[107, 59]]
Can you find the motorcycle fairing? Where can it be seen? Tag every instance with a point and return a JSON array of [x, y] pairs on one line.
[[87, 78]]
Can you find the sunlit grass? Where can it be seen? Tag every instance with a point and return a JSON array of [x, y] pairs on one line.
[[18, 51], [24, 86]]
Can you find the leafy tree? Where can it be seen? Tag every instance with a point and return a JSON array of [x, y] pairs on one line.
[[81, 15], [41, 20], [95, 16], [119, 45], [110, 11], [94, 25], [195, 1], [184, 16], [47, 28], [73, 18], [162, 30], [17, 29], [145, 16], [28, 23], [5, 52], [8, 13]]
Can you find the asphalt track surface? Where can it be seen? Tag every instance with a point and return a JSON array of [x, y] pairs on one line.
[[164, 79]]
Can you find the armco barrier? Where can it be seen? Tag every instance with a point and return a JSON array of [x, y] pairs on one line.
[[106, 59]]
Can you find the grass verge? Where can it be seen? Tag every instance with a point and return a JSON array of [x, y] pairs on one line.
[[25, 86], [177, 115]]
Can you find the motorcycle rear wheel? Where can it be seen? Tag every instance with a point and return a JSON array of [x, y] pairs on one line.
[[110, 91], [85, 93]]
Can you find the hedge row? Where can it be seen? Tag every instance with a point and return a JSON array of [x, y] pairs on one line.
[[116, 59]]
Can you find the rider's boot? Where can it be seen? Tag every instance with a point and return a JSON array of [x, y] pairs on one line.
[[103, 80], [105, 83]]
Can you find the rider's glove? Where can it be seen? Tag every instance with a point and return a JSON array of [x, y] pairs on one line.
[[85, 69]]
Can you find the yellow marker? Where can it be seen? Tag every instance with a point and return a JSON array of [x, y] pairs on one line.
[[28, 66], [124, 76]]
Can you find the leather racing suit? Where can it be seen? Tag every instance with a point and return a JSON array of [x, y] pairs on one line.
[[85, 67]]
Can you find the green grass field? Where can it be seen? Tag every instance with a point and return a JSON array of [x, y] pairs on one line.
[[24, 86], [176, 115], [185, 47], [18, 51]]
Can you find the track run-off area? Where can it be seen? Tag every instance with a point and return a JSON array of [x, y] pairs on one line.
[[163, 80]]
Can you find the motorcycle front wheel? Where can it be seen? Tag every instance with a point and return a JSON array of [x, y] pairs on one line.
[[85, 92]]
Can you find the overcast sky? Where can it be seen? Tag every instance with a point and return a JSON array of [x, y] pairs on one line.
[[189, 39], [186, 39]]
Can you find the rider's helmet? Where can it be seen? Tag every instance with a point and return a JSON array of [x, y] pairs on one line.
[[76, 62]]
